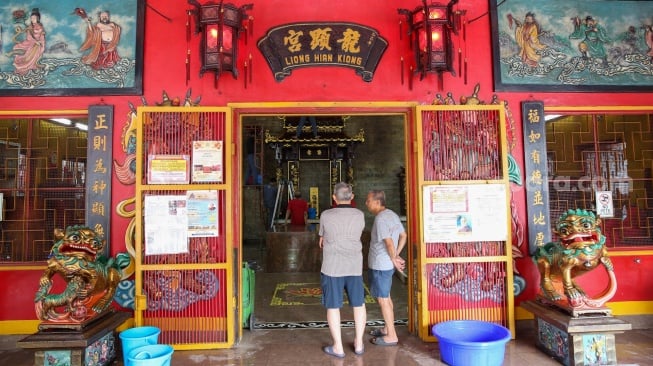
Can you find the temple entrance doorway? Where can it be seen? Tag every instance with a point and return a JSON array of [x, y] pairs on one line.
[[367, 149]]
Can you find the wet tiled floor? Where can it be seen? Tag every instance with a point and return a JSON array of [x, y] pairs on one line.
[[288, 347], [303, 345]]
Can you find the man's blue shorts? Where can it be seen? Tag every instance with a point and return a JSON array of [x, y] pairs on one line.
[[333, 288], [380, 282]]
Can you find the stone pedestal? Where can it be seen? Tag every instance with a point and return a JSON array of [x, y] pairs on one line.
[[582, 340], [95, 344]]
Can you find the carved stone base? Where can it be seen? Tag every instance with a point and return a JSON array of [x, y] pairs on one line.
[[578, 340], [95, 344], [575, 311], [78, 326]]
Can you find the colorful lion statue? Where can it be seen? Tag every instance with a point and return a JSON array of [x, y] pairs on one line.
[[580, 249], [91, 278]]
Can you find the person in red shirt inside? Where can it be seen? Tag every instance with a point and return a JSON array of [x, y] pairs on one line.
[[297, 210]]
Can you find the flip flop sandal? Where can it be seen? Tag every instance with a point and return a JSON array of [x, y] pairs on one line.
[[359, 351], [329, 351], [377, 333], [379, 341]]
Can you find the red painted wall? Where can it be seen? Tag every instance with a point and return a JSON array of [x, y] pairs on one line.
[[164, 56]]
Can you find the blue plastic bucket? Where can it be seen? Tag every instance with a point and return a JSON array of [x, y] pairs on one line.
[[137, 337], [152, 355], [471, 342]]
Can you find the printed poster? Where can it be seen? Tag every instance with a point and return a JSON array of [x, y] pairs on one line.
[[166, 225], [207, 161], [465, 213], [168, 169], [202, 213]]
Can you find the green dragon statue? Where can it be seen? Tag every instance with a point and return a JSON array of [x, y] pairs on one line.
[[580, 249], [91, 278]]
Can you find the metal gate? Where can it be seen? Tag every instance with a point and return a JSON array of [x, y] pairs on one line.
[[464, 252], [185, 279]]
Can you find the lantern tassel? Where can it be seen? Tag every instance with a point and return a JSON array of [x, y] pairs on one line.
[[251, 68], [464, 31], [245, 76], [460, 61], [465, 71], [188, 27], [187, 67]]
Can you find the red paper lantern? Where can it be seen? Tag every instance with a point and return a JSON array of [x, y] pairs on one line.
[[430, 28], [220, 25]]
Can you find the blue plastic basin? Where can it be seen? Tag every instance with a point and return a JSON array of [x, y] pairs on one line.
[[152, 355], [471, 342], [137, 337]]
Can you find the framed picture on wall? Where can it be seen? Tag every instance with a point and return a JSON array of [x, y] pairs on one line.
[[71, 48], [573, 46]]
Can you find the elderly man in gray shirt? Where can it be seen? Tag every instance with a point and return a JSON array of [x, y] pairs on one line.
[[342, 267], [388, 238]]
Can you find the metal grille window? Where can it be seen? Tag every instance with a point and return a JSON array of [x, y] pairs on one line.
[[593, 153], [42, 184]]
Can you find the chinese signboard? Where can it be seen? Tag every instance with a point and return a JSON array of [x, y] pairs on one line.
[[98, 171], [322, 44], [537, 185]]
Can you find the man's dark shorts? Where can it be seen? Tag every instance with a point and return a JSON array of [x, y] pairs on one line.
[[380, 282], [332, 291]]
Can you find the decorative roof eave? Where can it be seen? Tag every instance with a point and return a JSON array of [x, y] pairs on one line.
[[339, 137]]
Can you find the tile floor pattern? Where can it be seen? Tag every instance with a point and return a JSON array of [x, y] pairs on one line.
[[303, 346]]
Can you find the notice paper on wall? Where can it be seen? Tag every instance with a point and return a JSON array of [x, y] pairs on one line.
[[202, 213], [604, 204], [207, 161], [166, 224], [168, 169], [465, 213]]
